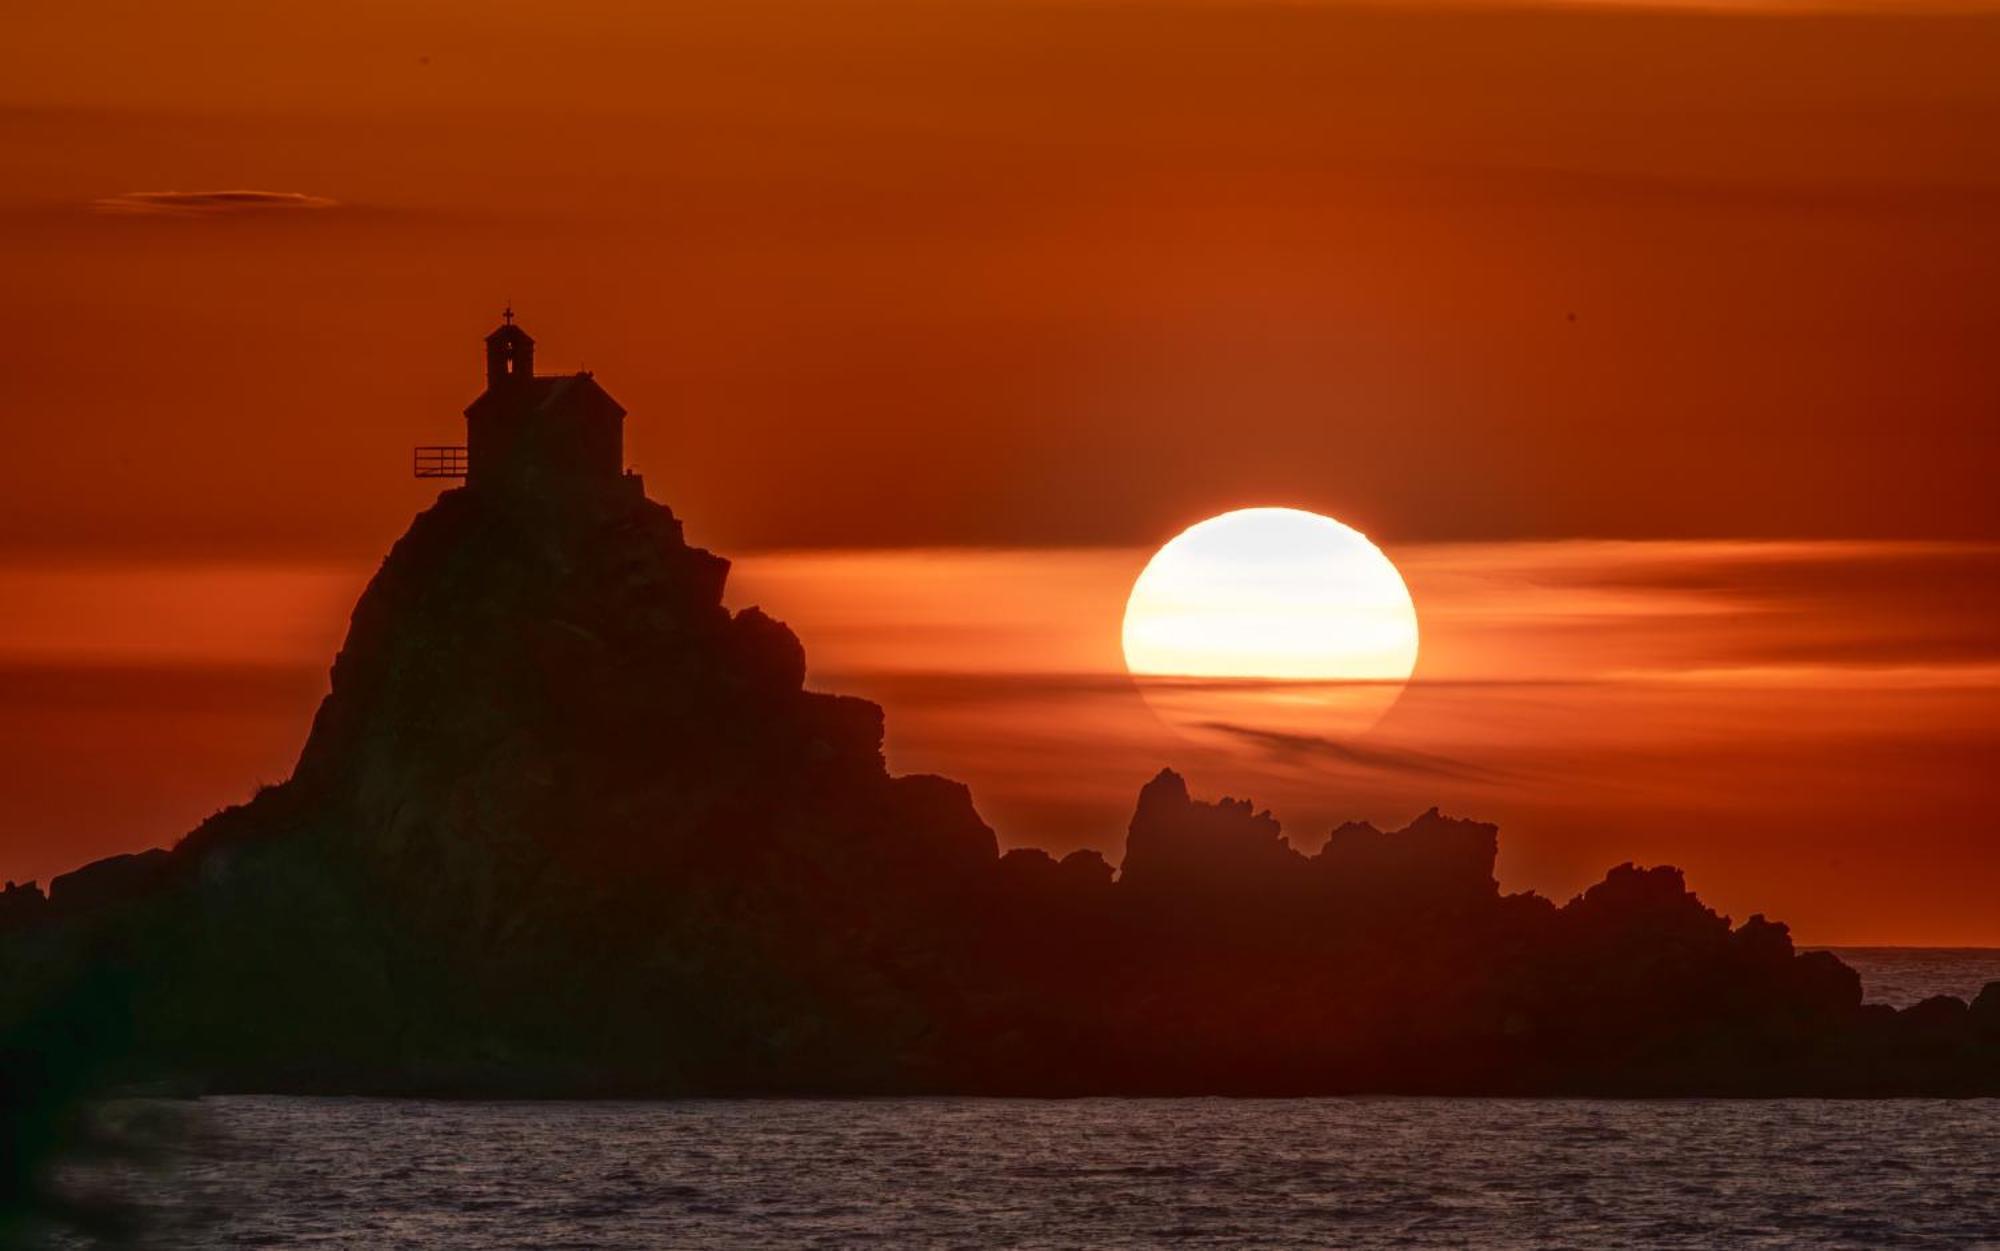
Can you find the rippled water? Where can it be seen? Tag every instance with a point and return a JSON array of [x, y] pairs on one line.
[[1098, 1173], [1901, 976]]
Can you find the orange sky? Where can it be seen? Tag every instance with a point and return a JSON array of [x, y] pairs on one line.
[[1055, 279]]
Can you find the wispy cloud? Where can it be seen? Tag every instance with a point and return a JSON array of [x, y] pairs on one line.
[[1322, 748], [209, 203], [1666, 609]]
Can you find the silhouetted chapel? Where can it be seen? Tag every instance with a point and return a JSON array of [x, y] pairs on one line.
[[534, 433]]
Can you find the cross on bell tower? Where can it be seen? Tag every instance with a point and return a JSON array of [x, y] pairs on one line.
[[510, 353]]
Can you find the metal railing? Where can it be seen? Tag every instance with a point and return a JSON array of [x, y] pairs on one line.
[[439, 461]]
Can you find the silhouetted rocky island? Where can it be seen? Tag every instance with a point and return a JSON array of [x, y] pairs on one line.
[[566, 825]]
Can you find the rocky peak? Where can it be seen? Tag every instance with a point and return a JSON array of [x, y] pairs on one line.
[[557, 670]]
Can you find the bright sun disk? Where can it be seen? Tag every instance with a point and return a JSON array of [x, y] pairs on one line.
[[1271, 593]]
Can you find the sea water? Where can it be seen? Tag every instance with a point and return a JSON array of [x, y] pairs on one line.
[[364, 1173], [1379, 1172], [1901, 976]]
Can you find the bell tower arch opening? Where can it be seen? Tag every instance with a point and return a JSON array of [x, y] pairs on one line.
[[510, 354]]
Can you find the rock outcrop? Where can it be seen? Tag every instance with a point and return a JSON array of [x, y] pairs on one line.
[[565, 824]]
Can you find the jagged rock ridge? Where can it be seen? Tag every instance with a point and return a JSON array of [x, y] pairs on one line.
[[566, 824]]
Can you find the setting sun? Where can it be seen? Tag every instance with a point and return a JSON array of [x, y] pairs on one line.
[[1271, 593]]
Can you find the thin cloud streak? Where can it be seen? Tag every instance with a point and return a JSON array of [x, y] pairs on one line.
[[195, 204], [1283, 744]]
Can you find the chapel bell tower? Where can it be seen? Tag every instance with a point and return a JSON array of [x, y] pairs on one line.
[[510, 353]]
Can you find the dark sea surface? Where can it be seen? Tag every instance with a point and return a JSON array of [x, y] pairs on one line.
[[1901, 976], [1499, 1173], [267, 1172]]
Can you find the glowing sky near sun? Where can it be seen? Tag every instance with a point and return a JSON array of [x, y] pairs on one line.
[[1687, 702]]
